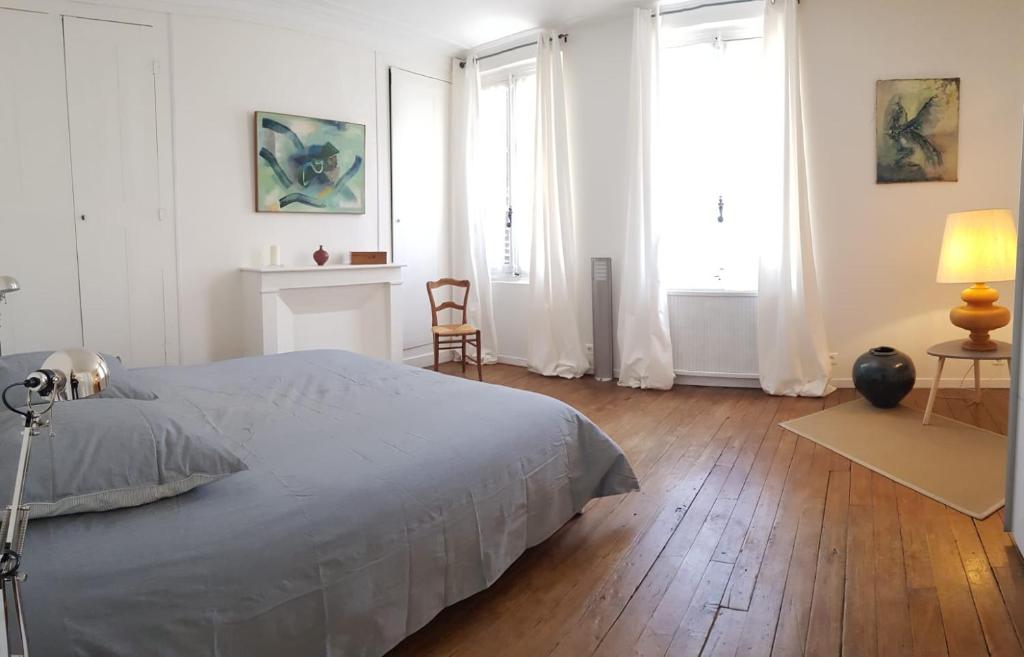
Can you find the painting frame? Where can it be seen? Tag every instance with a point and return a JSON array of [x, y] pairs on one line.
[[333, 178], [917, 130]]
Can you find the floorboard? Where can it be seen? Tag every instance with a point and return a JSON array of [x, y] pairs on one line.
[[745, 540]]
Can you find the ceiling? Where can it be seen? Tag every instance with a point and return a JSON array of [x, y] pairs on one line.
[[469, 23]]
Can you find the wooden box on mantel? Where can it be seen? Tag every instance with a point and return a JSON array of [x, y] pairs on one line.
[[369, 257]]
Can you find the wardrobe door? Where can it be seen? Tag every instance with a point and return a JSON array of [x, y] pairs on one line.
[[37, 230], [126, 240], [419, 191]]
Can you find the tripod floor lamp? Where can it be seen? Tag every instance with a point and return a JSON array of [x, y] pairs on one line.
[[69, 374]]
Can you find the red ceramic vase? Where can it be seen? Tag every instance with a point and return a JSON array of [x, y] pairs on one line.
[[320, 256]]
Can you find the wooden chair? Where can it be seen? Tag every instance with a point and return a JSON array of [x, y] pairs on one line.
[[453, 337]]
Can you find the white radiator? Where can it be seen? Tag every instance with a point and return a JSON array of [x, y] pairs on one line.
[[714, 336]]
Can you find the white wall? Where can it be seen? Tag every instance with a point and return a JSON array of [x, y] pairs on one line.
[[876, 245], [223, 70]]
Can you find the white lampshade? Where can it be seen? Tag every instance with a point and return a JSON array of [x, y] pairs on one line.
[[979, 246]]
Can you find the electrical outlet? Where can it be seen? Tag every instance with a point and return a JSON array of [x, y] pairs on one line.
[[834, 358], [589, 349]]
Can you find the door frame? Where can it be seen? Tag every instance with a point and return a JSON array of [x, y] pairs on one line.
[[1013, 432], [387, 195]]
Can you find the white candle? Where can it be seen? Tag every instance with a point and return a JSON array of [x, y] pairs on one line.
[[275, 255]]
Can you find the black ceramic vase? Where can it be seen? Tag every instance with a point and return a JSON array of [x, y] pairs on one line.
[[884, 376]]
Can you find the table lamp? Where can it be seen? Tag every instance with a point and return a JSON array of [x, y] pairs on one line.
[[979, 247], [70, 374]]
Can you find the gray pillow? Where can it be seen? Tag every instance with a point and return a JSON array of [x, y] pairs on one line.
[[15, 368], [112, 453]]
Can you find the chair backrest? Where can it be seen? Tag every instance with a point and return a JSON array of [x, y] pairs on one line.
[[436, 307]]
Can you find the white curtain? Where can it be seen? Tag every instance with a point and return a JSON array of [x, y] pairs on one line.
[[791, 343], [469, 247], [645, 346], [555, 344]]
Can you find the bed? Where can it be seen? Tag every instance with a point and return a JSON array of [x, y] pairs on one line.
[[377, 494]]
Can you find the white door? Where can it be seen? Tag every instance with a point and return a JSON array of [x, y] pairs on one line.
[[125, 228], [419, 189], [37, 232]]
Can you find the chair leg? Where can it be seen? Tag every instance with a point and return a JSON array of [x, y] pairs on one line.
[[463, 354], [479, 357], [437, 354]]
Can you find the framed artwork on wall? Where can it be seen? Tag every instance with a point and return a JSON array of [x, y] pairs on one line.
[[917, 130], [313, 165]]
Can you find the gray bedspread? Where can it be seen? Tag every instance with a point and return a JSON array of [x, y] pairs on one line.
[[377, 495]]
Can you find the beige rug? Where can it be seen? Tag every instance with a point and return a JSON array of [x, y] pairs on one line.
[[955, 463]]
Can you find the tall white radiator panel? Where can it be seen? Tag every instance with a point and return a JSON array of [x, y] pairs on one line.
[[714, 333]]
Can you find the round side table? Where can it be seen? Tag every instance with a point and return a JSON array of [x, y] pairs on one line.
[[954, 349]]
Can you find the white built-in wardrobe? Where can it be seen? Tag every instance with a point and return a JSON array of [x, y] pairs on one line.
[[86, 190]]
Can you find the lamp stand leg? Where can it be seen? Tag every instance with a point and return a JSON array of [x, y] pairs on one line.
[[934, 393], [13, 615], [977, 382], [16, 586], [5, 640]]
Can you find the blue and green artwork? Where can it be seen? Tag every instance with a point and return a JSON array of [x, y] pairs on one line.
[[309, 165]]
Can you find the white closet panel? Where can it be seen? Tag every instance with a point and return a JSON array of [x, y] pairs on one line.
[[419, 188], [126, 238], [37, 232]]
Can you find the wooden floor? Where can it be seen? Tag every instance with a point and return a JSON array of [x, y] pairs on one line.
[[744, 540]]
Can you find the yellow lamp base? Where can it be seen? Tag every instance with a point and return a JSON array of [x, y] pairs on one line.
[[979, 315]]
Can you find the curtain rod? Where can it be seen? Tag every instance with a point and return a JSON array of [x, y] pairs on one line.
[[705, 5], [564, 37]]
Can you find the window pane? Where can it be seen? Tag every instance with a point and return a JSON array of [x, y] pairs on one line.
[[714, 146], [524, 111], [493, 175]]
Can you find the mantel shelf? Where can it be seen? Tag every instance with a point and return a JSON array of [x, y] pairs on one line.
[[284, 269]]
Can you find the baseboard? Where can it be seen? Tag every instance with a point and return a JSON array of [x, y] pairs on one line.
[[926, 382], [729, 382], [716, 381], [425, 360]]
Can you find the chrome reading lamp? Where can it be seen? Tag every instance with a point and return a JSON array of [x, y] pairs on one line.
[[70, 374]]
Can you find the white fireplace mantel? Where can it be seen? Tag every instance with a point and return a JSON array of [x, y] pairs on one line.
[[352, 307]]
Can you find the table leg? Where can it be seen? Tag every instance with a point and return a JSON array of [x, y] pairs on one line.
[[977, 382], [934, 392]]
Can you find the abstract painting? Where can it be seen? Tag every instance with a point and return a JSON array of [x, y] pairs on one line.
[[309, 165], [917, 130]]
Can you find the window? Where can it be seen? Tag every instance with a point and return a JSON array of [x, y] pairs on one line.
[[713, 153], [507, 111]]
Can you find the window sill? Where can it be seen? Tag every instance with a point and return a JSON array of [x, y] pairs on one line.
[[509, 280], [710, 292]]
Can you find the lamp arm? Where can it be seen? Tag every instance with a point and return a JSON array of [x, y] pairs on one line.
[[10, 539]]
